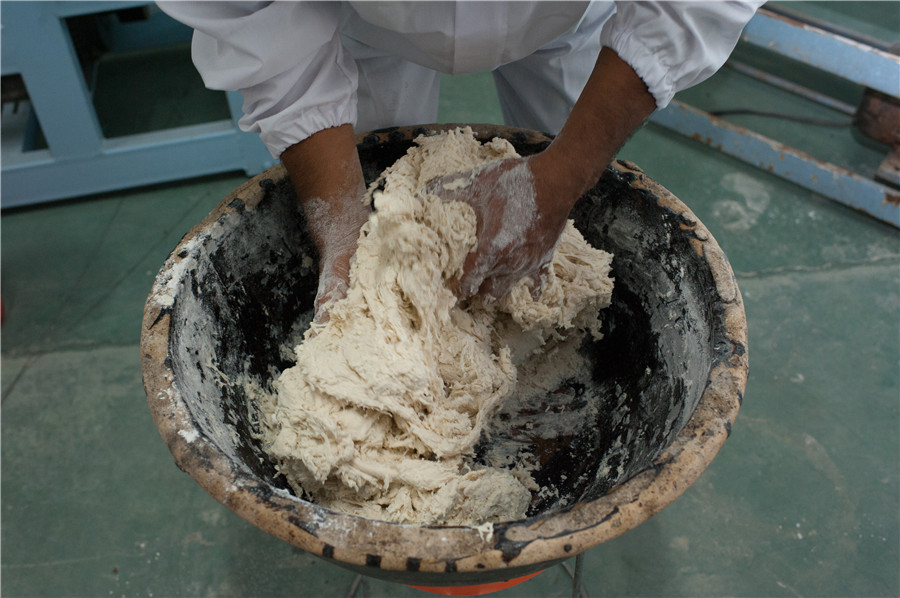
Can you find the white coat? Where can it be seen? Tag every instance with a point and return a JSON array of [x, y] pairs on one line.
[[306, 66]]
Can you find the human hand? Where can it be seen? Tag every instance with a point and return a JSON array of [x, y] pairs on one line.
[[522, 204], [328, 180], [335, 228], [521, 209]]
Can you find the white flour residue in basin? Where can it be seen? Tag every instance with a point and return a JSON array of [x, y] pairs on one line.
[[167, 283], [381, 413]]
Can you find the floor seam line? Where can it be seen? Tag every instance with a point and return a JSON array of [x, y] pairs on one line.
[[27, 366], [34, 356], [847, 265], [128, 271]]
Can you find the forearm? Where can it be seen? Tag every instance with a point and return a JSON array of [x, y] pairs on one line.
[[328, 180], [327, 177], [612, 105]]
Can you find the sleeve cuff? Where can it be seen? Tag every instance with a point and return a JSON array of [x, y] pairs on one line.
[[642, 59], [282, 130], [675, 45]]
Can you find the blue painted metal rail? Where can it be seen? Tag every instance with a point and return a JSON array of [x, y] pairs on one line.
[[831, 51], [838, 54], [840, 184]]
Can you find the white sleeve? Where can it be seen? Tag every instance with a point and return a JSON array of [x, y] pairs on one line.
[[286, 59], [674, 45]]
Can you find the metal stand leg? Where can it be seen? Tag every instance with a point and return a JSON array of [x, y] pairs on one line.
[[578, 590], [576, 579], [361, 581]]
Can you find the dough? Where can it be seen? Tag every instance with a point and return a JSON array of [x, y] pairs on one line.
[[388, 398]]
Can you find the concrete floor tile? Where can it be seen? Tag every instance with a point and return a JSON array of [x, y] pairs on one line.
[[45, 253], [82, 471], [74, 274]]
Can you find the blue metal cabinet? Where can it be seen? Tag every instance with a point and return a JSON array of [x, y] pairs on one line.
[[78, 160]]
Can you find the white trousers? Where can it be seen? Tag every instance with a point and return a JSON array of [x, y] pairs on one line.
[[536, 92]]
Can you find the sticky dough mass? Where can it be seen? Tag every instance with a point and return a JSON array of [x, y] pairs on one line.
[[388, 398]]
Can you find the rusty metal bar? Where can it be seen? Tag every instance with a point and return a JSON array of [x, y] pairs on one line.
[[805, 42], [835, 28], [829, 180]]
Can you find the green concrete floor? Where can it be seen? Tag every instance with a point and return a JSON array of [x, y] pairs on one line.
[[802, 500]]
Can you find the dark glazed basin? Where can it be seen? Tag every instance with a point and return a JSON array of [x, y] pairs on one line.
[[669, 375]]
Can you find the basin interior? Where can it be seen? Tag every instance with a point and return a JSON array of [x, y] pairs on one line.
[[246, 286]]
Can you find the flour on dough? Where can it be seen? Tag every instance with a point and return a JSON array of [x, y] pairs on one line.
[[388, 398]]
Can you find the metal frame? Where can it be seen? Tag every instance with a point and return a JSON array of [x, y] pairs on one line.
[[828, 48], [851, 189], [36, 44], [361, 582], [838, 51]]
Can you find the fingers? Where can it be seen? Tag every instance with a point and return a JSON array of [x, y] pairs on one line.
[[500, 286], [497, 287], [497, 274], [330, 291], [334, 281], [514, 240], [536, 285], [468, 284], [450, 186]]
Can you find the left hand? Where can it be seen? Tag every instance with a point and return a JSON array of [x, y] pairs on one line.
[[328, 180], [521, 209], [522, 204]]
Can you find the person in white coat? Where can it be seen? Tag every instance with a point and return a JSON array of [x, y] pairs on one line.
[[313, 73]]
